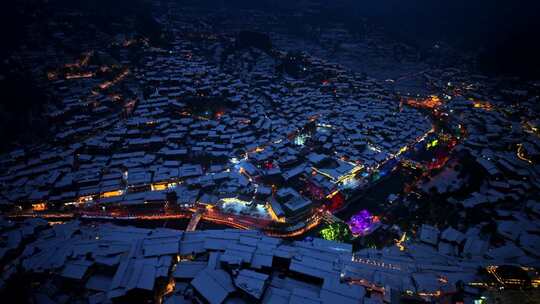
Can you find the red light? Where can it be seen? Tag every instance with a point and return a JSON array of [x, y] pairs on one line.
[[336, 202]]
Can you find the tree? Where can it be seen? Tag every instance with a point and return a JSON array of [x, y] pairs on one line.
[[337, 232]]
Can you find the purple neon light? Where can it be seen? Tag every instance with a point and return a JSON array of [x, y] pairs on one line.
[[361, 222]]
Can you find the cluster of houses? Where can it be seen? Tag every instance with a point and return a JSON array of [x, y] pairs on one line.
[[103, 263], [211, 128], [494, 184], [271, 135]]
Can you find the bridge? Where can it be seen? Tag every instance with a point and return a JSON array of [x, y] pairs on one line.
[[330, 218], [195, 219]]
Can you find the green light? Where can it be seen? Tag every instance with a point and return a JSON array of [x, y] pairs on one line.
[[433, 143], [336, 232]]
